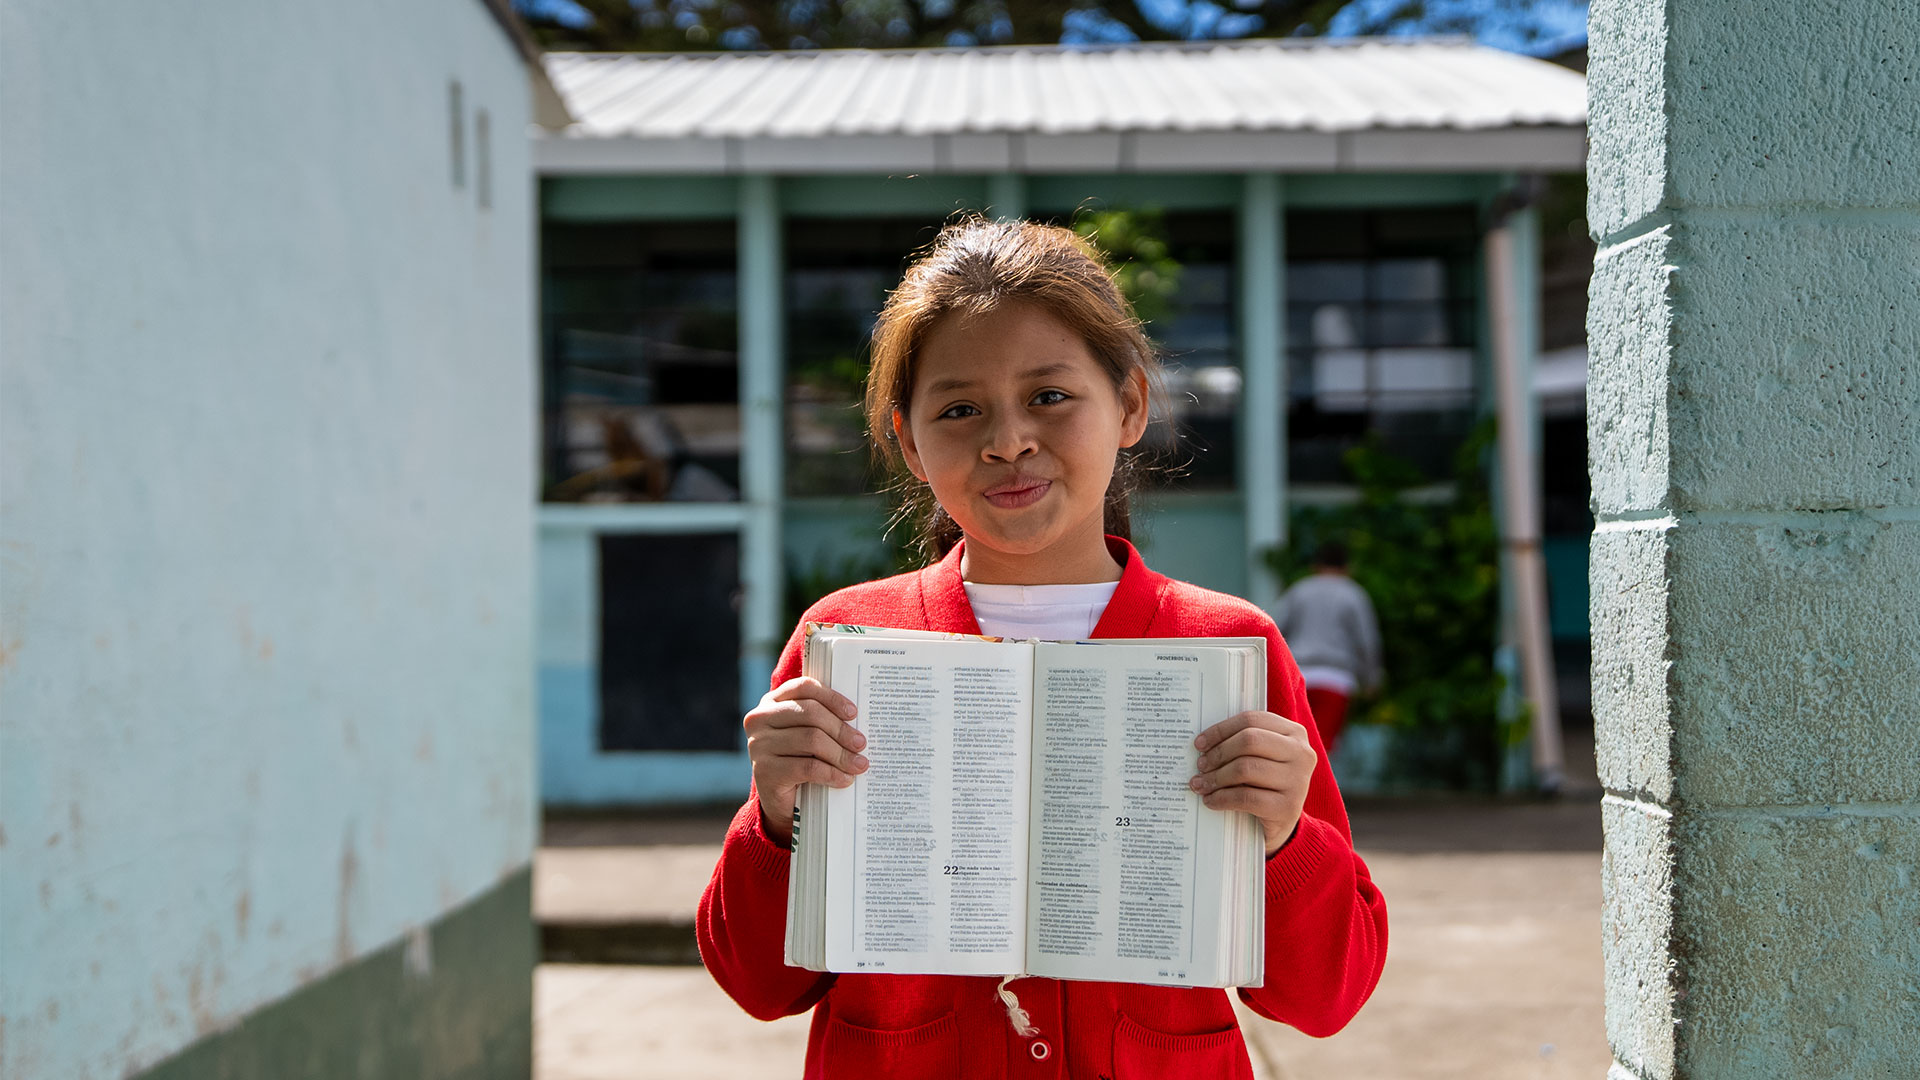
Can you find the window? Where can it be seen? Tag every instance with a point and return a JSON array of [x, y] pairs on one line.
[[642, 374], [838, 276], [1200, 346], [1381, 307], [670, 642]]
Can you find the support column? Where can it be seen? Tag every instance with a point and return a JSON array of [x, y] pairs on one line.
[[1261, 254], [763, 449], [1755, 381], [1006, 196], [1513, 304]]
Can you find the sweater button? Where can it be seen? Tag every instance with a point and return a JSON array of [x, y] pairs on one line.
[[1040, 1050]]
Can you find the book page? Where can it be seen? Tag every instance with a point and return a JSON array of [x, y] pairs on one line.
[[926, 850], [1125, 858]]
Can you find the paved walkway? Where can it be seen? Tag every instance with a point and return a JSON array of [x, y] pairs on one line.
[[1494, 968]]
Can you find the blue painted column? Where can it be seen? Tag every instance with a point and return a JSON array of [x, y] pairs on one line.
[[763, 453], [1261, 256], [1006, 196]]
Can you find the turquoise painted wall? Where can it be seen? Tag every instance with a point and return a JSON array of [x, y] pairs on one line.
[[266, 419], [1753, 402]]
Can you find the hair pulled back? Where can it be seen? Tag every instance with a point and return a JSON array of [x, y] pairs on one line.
[[972, 267]]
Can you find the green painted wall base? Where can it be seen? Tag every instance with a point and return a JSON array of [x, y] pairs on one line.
[[465, 1014]]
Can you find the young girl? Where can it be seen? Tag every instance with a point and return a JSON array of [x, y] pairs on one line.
[[1008, 377]]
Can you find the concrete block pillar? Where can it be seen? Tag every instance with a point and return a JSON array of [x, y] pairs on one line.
[[1754, 422]]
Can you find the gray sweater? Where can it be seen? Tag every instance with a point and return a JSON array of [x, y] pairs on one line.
[[1328, 621]]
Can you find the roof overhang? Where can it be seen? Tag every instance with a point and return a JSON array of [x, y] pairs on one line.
[[1290, 105], [1546, 148]]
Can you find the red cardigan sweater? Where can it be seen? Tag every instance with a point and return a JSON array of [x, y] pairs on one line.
[[1326, 922]]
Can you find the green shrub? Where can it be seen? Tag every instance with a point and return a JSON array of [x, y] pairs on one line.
[[1432, 570]]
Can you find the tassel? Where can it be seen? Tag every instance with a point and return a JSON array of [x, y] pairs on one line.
[[1017, 1016]]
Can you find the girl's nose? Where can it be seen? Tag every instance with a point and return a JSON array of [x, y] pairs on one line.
[[1010, 440]]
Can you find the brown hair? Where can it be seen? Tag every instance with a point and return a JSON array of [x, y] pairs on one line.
[[972, 267]]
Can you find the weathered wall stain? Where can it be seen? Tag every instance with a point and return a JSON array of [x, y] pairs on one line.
[[349, 877]]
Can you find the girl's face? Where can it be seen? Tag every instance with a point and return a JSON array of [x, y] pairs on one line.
[[1016, 427]]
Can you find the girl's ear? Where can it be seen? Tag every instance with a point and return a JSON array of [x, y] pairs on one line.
[[904, 434], [1133, 408]]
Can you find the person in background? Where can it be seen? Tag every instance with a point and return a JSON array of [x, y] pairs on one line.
[[1328, 623]]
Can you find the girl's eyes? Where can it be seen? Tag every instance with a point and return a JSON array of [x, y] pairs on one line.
[[1044, 397]]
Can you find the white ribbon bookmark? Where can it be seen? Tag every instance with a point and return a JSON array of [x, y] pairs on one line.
[[1017, 1016]]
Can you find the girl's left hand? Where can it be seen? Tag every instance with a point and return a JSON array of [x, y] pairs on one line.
[[1258, 762]]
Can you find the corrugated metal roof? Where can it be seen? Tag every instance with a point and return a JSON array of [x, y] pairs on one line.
[[1269, 87]]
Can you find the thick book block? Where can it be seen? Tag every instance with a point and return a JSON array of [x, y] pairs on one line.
[[1027, 812]]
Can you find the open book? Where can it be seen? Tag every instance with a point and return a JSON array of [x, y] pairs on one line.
[[1026, 811]]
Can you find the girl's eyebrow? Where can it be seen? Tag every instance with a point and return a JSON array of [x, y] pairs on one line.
[[944, 385]]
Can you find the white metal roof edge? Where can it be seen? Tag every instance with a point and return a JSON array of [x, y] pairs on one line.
[[1070, 97], [1461, 41], [1529, 148]]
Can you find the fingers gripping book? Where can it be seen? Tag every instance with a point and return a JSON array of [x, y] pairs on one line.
[[1026, 810]]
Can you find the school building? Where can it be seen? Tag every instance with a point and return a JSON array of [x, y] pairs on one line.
[[717, 233]]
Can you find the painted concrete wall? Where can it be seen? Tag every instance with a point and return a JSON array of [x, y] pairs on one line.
[[1754, 413], [266, 545]]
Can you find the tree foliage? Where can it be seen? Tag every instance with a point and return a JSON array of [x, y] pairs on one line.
[[695, 25], [1135, 242]]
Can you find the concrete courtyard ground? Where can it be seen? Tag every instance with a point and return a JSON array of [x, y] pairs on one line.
[[1493, 970]]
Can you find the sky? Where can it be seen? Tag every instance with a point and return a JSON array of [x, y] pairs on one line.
[[1532, 27]]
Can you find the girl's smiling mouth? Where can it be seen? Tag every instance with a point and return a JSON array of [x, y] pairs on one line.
[[1013, 494]]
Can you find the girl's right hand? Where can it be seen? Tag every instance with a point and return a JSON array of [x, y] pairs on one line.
[[799, 734]]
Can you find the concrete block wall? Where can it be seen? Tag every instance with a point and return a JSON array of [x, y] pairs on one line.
[[1754, 425], [267, 397]]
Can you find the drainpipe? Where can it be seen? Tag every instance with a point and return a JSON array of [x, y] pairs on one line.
[[1520, 490]]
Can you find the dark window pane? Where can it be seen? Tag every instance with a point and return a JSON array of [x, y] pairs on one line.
[[1380, 330], [641, 375], [669, 642], [1327, 234], [1415, 380], [1407, 279], [1408, 324], [838, 275], [1199, 342], [1327, 279], [1335, 326]]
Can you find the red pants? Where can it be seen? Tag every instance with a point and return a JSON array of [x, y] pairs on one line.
[[1329, 713]]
